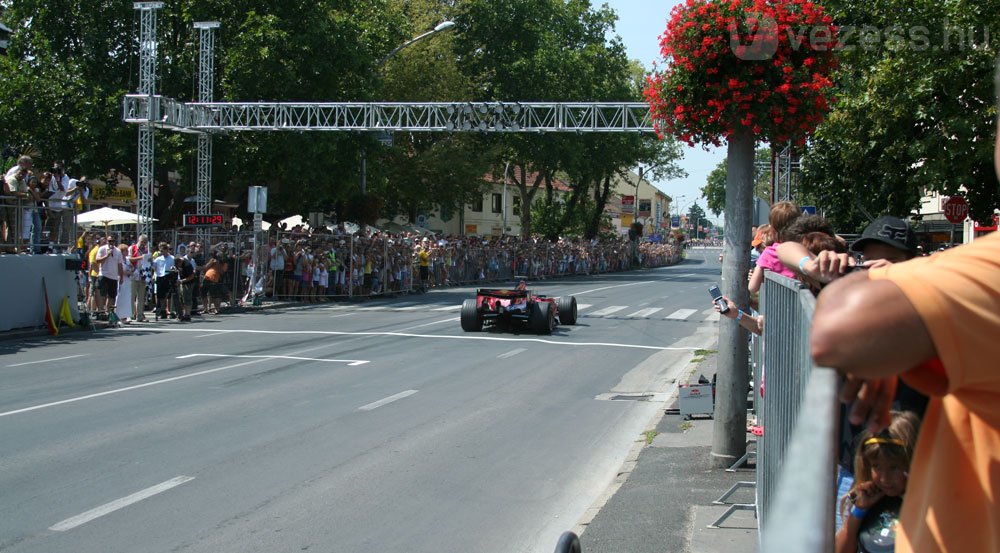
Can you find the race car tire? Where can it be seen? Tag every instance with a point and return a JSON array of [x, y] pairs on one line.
[[471, 320], [567, 310], [541, 319]]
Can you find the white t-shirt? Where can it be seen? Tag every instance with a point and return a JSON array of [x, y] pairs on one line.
[[112, 266], [16, 185], [58, 192], [162, 264]]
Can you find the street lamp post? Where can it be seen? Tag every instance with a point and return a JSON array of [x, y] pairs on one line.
[[443, 26]]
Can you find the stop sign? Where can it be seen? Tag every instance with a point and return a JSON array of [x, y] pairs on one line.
[[956, 209]]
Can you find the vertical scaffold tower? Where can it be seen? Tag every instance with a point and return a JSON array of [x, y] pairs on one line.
[[206, 70], [147, 87]]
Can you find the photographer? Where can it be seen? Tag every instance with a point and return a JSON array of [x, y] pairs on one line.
[[60, 213]]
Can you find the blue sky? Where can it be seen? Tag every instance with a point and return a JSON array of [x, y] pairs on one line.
[[640, 23]]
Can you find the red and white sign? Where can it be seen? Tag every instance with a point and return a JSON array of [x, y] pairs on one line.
[[628, 204], [956, 209]]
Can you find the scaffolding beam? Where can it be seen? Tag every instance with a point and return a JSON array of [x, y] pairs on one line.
[[206, 70], [485, 117], [147, 89]]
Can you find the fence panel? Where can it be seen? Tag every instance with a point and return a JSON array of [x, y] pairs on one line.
[[779, 380], [797, 454]]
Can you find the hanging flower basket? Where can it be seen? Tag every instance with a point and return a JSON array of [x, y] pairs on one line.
[[756, 66]]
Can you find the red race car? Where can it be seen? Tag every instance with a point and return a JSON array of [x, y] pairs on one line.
[[506, 309]]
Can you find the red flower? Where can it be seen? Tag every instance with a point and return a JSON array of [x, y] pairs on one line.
[[703, 42]]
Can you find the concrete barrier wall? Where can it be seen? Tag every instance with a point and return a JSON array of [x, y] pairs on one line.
[[21, 301]]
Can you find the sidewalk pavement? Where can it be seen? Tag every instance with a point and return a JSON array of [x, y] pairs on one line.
[[665, 502]]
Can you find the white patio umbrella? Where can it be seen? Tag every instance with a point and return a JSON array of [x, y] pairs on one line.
[[109, 217]]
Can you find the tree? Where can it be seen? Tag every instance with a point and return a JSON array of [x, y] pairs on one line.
[[915, 111], [558, 51], [70, 63], [696, 218], [714, 190]]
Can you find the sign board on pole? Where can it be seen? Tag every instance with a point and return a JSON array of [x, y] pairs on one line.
[[956, 209], [675, 221], [628, 204], [808, 209], [257, 199], [645, 208], [385, 137]]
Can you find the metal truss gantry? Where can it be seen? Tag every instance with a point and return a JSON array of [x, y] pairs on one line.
[[151, 111], [518, 117], [206, 67], [785, 166], [147, 89]]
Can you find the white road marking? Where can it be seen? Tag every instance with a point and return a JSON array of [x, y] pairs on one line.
[[204, 335], [681, 314], [390, 399], [713, 317], [511, 353], [136, 387], [117, 504], [429, 324], [643, 303], [350, 362], [582, 306], [645, 312], [341, 315], [48, 360], [468, 336], [410, 308], [615, 286], [447, 308], [606, 311]]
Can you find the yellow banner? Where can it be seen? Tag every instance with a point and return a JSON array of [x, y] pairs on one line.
[[105, 192]]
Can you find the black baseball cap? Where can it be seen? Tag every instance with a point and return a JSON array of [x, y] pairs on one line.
[[891, 231]]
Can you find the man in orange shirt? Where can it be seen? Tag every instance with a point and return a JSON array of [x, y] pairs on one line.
[[935, 322]]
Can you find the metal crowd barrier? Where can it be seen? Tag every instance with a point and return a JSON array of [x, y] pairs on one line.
[[796, 455], [56, 230]]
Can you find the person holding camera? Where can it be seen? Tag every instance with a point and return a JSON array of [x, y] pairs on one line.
[[60, 213], [165, 274]]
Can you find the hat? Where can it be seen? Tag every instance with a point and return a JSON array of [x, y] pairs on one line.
[[891, 231], [757, 239], [285, 240]]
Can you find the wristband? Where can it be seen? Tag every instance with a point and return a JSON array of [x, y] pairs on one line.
[[858, 512], [802, 264], [739, 315]]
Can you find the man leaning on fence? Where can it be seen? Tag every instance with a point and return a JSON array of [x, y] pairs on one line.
[[933, 321]]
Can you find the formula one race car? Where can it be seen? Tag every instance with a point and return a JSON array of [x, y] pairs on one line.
[[505, 309]]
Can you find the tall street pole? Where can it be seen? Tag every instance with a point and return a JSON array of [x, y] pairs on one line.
[[729, 436]]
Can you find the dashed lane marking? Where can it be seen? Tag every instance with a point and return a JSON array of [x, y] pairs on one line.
[[118, 504]]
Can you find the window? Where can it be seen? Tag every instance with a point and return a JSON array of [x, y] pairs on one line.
[[517, 206], [477, 205], [497, 203]]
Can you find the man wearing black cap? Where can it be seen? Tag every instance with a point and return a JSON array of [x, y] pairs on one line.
[[887, 239]]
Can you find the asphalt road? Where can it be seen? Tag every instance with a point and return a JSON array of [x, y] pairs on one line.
[[375, 427]]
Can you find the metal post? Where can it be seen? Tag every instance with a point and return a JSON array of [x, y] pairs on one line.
[[206, 65], [147, 86], [729, 438]]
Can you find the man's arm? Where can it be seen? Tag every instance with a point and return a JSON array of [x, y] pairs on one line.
[[868, 328]]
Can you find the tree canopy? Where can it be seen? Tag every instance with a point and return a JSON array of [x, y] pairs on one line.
[[916, 110], [70, 64]]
